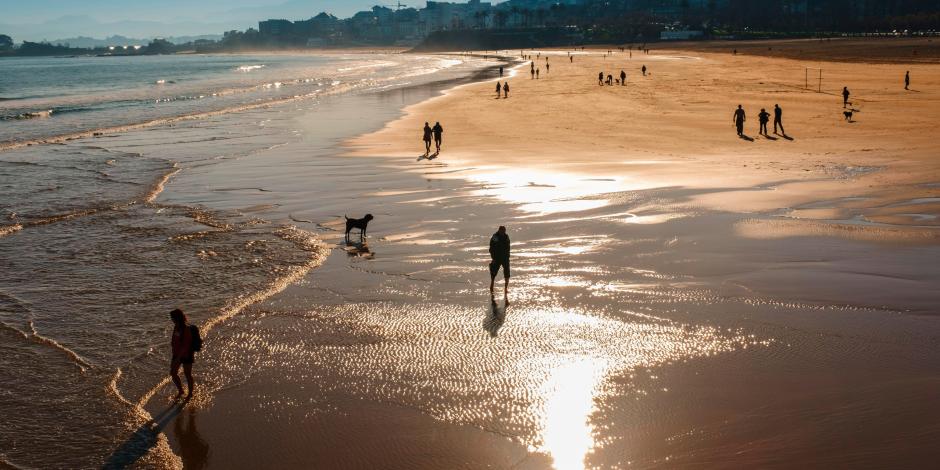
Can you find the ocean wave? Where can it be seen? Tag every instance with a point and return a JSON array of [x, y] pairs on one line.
[[249, 68]]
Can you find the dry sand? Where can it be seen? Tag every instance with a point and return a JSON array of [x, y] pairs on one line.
[[682, 298]]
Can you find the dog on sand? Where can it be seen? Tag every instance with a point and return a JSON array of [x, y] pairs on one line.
[[362, 224]]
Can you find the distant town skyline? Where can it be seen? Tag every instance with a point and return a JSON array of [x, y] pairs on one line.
[[38, 20]]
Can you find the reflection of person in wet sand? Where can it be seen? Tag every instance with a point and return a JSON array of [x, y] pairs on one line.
[[194, 451], [495, 317], [183, 353], [499, 253], [438, 131], [427, 138]]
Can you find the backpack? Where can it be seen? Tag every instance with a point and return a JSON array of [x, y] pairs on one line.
[[197, 338]]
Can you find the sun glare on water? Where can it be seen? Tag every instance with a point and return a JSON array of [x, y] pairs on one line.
[[567, 434]]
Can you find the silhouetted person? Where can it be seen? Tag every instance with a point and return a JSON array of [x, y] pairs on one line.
[[532, 70], [506, 90], [907, 80], [610, 79], [499, 253], [623, 77], [182, 346], [427, 138], [778, 120], [438, 133], [571, 59], [537, 73], [499, 89], [845, 96], [548, 67], [763, 118], [644, 70], [500, 71], [739, 118], [600, 78]]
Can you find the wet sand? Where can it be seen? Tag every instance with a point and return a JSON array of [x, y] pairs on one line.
[[681, 297]]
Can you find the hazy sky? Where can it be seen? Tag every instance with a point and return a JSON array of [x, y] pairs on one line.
[[54, 19]]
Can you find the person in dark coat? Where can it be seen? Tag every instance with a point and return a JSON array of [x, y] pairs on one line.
[[778, 120], [739, 118], [763, 118], [438, 135], [499, 254]]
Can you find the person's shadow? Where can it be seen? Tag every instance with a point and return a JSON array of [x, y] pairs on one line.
[[495, 316], [143, 439], [746, 137]]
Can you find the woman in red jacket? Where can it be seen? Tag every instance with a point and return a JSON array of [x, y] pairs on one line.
[[183, 354]]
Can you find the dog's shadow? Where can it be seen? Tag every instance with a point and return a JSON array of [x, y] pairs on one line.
[[358, 249]]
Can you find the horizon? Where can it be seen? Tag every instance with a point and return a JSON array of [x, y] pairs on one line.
[[52, 20]]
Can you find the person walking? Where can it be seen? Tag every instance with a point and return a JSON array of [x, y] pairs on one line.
[[532, 70], [763, 118], [907, 80], [500, 71], [506, 90], [548, 67], [623, 78], [644, 70], [537, 70], [499, 255], [438, 135], [499, 89], [739, 118], [845, 96], [600, 78], [427, 138], [183, 344], [778, 120]]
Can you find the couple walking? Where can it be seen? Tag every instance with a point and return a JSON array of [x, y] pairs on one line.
[[437, 131], [501, 88]]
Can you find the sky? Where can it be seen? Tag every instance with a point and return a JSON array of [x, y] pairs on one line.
[[35, 20]]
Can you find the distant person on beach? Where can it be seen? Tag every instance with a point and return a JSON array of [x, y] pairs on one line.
[[571, 59], [532, 70], [739, 119], [845, 96], [499, 89], [548, 67], [623, 77], [763, 118], [537, 70], [643, 70], [499, 254], [427, 138], [610, 80], [778, 120], [500, 72], [907, 80], [506, 90], [438, 135], [600, 78], [184, 343]]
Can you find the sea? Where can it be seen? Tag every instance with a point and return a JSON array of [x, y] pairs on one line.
[[93, 256]]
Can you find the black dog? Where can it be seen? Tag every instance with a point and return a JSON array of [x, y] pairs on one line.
[[362, 224], [848, 115]]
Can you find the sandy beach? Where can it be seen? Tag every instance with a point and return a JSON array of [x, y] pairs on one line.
[[682, 297]]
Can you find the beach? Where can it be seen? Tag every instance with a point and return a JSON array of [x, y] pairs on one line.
[[681, 297]]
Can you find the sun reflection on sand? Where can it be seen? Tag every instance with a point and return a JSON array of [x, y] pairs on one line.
[[545, 191], [567, 434]]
